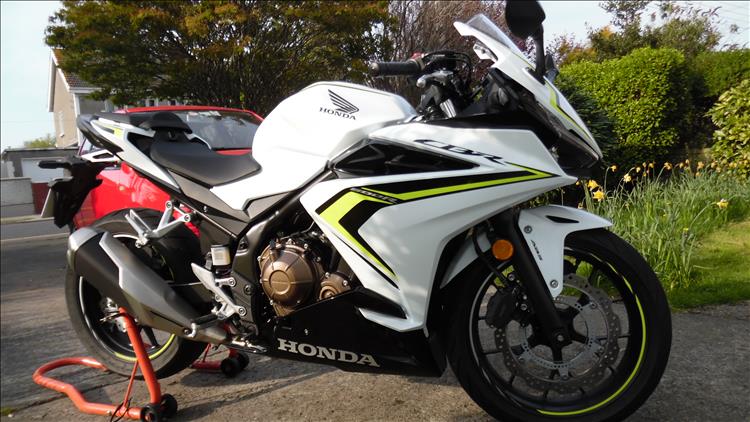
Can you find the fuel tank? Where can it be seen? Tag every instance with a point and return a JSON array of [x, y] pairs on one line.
[[296, 140]]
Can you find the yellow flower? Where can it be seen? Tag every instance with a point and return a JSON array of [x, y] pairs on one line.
[[668, 166], [681, 165], [700, 165], [613, 167], [697, 173], [713, 164], [599, 195], [687, 161], [592, 184], [627, 178], [651, 165], [723, 204], [638, 169], [580, 205], [578, 183]]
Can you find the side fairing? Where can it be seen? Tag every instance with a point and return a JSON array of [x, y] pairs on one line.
[[296, 140], [392, 229]]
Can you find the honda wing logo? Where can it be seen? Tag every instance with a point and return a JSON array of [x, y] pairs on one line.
[[342, 107]]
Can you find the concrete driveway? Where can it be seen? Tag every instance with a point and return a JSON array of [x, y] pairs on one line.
[[708, 377]]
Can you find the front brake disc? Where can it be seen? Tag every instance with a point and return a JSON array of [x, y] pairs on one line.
[[584, 364]]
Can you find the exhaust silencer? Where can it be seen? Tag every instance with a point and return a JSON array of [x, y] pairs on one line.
[[117, 273]]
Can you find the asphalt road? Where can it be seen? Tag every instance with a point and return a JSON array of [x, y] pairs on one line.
[[708, 377], [30, 229]]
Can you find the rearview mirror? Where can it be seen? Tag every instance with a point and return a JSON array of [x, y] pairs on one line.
[[523, 17]]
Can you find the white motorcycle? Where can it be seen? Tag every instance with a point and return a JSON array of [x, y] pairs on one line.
[[371, 236]]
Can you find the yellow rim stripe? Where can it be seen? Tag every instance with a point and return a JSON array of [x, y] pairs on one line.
[[339, 209], [630, 378], [152, 356]]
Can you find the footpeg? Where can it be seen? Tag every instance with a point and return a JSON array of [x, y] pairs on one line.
[[201, 323], [247, 346]]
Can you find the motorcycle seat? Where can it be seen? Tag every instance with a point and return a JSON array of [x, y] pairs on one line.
[[199, 163]]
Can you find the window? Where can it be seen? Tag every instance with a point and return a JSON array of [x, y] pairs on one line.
[[220, 129], [150, 102], [172, 102]]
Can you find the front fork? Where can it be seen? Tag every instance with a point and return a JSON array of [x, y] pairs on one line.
[[552, 327]]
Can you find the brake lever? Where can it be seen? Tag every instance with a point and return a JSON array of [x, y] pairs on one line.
[[439, 76]]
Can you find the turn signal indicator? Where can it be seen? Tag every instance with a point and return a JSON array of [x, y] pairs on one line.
[[502, 250]]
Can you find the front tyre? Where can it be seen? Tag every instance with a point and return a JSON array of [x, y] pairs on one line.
[[619, 320]]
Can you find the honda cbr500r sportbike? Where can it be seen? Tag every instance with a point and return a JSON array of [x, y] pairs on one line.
[[369, 235]]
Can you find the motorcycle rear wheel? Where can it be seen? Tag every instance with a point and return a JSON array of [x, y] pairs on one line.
[[107, 341], [519, 378]]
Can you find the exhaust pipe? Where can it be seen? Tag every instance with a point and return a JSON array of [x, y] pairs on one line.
[[117, 273]]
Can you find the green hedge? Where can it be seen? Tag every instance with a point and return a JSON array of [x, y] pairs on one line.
[[722, 70], [646, 95], [731, 115]]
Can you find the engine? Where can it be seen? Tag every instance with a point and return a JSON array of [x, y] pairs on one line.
[[292, 274]]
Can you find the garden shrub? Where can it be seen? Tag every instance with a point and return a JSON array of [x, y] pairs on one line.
[[591, 112], [731, 115], [645, 94], [722, 70]]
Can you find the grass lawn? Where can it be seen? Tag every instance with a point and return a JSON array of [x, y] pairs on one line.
[[722, 269]]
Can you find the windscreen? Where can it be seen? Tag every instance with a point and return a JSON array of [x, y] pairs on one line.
[[483, 24], [221, 129]]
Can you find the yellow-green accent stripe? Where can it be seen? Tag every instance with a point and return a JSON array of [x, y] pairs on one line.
[[554, 102], [627, 382], [152, 356], [407, 196], [339, 209]]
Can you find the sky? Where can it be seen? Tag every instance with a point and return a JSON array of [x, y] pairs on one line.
[[25, 58]]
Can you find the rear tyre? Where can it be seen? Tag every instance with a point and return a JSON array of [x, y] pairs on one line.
[[107, 341], [619, 320]]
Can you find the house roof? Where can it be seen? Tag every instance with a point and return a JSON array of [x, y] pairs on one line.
[[72, 79], [73, 83]]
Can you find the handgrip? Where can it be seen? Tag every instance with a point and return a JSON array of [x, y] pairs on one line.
[[409, 67]]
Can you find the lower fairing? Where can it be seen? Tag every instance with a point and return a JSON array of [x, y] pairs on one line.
[[334, 332]]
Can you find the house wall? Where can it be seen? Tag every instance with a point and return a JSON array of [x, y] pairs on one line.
[[17, 198], [14, 158], [64, 114]]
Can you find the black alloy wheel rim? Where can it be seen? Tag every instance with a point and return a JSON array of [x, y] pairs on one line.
[[618, 376]]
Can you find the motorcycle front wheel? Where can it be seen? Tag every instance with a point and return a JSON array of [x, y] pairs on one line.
[[618, 318]]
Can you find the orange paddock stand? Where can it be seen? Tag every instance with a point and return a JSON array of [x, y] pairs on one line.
[[159, 407], [230, 366]]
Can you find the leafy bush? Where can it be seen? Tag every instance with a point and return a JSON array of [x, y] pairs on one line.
[[721, 70], [731, 115], [596, 119], [646, 96]]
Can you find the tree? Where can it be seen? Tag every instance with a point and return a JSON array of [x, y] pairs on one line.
[[421, 26], [46, 141], [242, 53], [686, 28]]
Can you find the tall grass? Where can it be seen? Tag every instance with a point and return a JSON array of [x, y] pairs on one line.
[[664, 215]]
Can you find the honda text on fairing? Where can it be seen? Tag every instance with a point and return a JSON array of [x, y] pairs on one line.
[[373, 236]]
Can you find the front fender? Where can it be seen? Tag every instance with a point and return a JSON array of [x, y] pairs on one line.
[[544, 229]]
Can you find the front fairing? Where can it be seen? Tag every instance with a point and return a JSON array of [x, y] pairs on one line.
[[510, 61]]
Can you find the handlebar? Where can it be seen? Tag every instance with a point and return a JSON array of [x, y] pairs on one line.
[[409, 67]]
